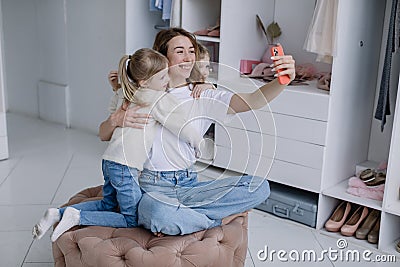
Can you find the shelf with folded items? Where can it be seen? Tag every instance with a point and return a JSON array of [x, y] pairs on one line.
[[338, 191]]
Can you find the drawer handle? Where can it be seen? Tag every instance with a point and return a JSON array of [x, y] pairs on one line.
[[280, 211]]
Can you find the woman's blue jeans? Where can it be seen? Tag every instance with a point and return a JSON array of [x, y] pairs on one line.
[[175, 203], [120, 190]]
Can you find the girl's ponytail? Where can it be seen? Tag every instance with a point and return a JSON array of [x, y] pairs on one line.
[[128, 84]]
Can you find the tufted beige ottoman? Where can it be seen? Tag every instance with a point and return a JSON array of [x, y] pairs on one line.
[[98, 246]]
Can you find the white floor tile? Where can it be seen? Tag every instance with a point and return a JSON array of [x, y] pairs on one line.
[[269, 233], [48, 164], [6, 167], [83, 172], [20, 217], [34, 179], [349, 253], [13, 247], [40, 251]]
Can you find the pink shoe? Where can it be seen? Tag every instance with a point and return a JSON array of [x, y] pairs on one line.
[[202, 32], [338, 217], [350, 227]]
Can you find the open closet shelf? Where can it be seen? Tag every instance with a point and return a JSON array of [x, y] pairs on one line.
[[244, 85], [393, 208], [338, 191], [361, 243]]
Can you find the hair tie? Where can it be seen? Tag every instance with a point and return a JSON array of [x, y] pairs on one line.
[[130, 56]]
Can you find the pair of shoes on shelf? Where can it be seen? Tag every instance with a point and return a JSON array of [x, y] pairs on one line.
[[324, 81], [368, 227], [373, 236], [211, 31], [372, 178], [351, 225], [338, 217], [338, 220]]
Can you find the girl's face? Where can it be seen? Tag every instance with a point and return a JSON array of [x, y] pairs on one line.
[[181, 55], [204, 66], [158, 81]]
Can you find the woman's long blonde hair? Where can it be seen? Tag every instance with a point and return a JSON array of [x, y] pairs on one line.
[[140, 66]]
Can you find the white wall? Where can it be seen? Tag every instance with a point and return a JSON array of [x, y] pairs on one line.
[[21, 46], [140, 22], [95, 43], [70, 44]]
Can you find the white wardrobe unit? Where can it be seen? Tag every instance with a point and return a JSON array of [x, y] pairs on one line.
[[319, 136]]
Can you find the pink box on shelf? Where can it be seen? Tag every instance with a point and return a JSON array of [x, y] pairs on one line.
[[246, 65]]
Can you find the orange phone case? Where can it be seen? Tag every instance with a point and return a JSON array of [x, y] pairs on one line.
[[278, 51]]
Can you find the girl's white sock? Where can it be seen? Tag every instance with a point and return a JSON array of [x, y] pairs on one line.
[[70, 218], [50, 217]]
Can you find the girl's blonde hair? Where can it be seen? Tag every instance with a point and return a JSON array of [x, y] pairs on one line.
[[140, 66]]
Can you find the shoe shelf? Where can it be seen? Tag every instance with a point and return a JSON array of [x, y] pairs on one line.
[[391, 249], [338, 191], [350, 239], [393, 208]]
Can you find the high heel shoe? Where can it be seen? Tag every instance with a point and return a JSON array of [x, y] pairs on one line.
[[373, 236], [338, 217], [368, 224], [350, 227]]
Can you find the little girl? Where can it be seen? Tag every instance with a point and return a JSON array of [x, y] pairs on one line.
[[144, 81], [200, 72]]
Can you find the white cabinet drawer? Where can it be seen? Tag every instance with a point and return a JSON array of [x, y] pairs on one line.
[[300, 104], [277, 170], [291, 127], [301, 101], [247, 142]]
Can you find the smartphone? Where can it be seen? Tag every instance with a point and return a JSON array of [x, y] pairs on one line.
[[277, 50]]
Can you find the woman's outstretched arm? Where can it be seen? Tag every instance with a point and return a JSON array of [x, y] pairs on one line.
[[242, 102]]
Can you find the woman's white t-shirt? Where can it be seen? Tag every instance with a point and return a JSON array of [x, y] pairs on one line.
[[169, 153]]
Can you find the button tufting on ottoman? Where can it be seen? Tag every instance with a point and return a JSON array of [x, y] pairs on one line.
[[98, 246]]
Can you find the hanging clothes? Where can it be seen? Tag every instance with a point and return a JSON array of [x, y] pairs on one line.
[[321, 37], [162, 5], [175, 20], [383, 107]]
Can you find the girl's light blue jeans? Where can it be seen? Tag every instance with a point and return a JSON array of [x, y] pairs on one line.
[[175, 203], [121, 190]]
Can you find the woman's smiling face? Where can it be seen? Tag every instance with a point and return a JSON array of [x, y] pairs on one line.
[[181, 55]]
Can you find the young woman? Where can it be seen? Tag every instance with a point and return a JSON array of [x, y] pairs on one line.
[[174, 202]]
